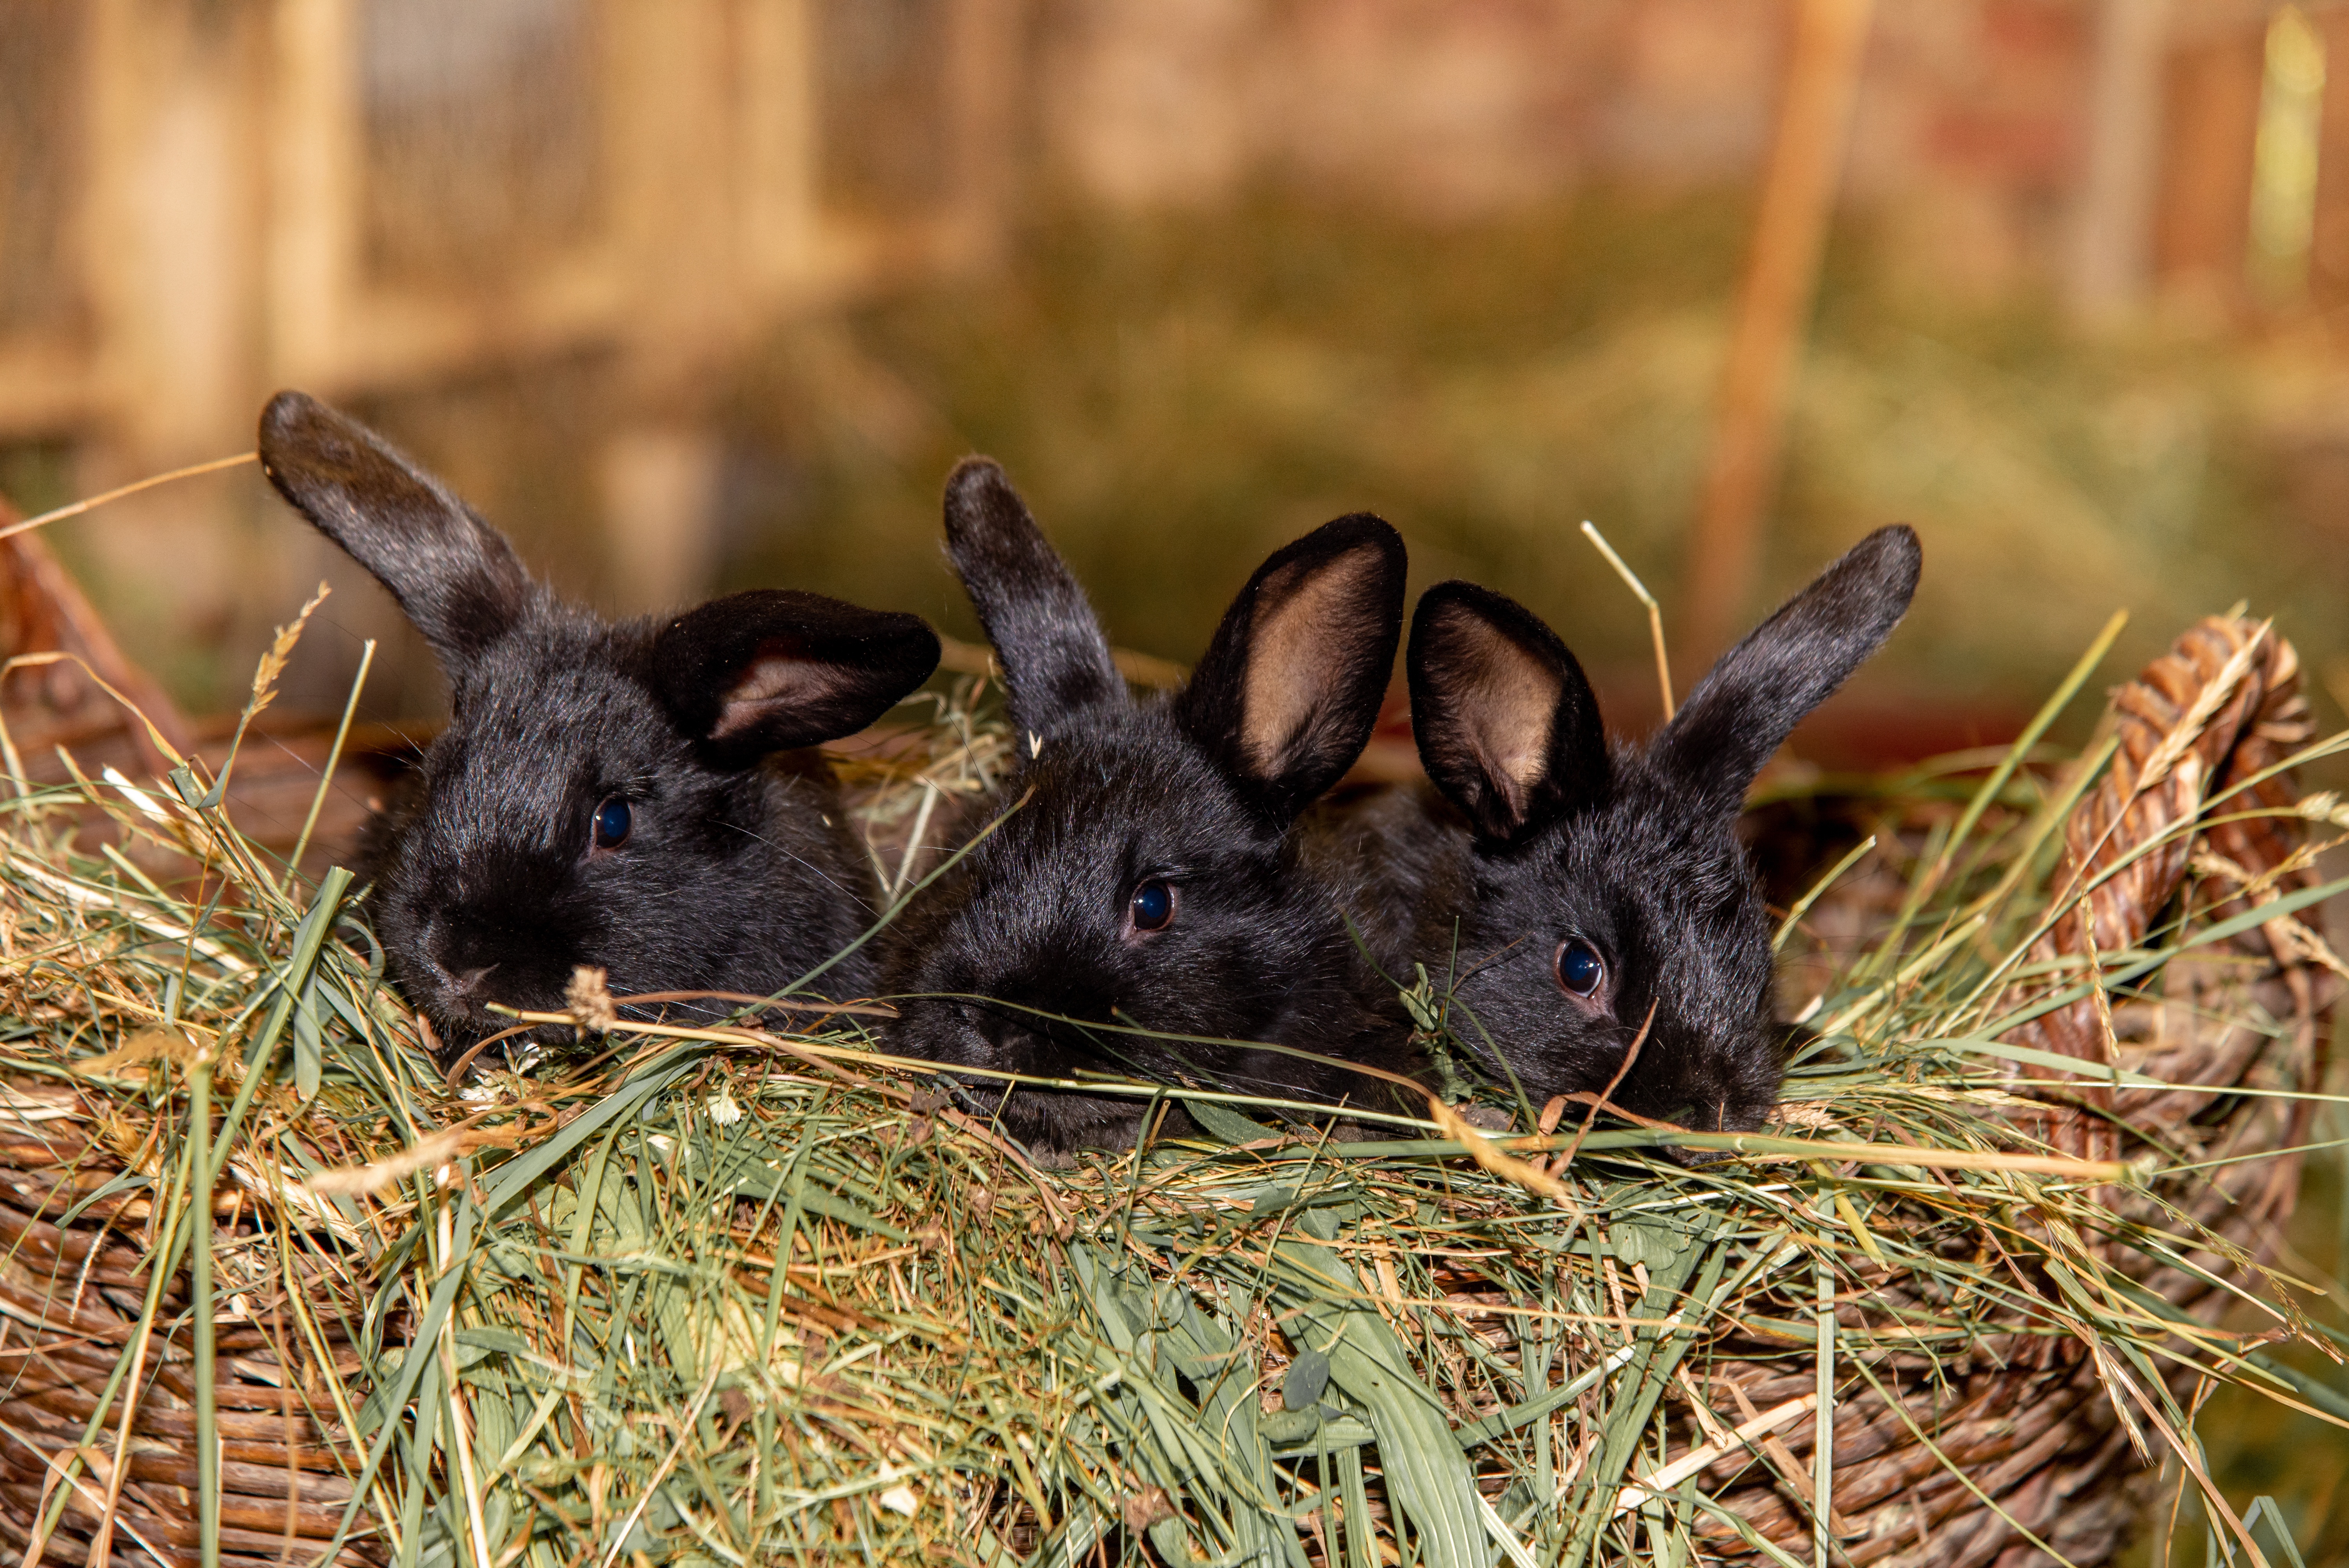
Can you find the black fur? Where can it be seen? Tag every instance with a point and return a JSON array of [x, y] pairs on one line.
[[1633, 851], [1119, 792], [1033, 610], [739, 873], [453, 574]]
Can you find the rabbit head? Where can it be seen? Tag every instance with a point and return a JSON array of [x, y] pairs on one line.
[[1602, 891], [1146, 876], [636, 797]]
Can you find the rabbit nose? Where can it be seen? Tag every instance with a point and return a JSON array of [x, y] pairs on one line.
[[1000, 1030], [455, 951], [468, 984]]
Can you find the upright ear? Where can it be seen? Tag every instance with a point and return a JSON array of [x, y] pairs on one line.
[[1290, 688], [1055, 659], [773, 669], [1746, 706], [1507, 725], [453, 574]]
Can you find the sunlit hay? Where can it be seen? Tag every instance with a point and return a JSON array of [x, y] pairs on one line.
[[724, 1294]]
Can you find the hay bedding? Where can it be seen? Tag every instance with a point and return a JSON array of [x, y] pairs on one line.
[[728, 1295]]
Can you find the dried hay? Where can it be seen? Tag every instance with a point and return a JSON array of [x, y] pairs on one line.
[[733, 1295]]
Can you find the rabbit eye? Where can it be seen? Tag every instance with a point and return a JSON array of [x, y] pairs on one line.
[[1152, 908], [1580, 969], [613, 820]]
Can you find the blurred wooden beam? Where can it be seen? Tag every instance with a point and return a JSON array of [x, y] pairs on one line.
[[1781, 281], [2211, 129], [2328, 249], [2112, 241]]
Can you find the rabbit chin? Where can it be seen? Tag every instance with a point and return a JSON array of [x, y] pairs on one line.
[[1052, 1124]]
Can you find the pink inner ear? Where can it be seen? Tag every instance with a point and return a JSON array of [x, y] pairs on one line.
[[1303, 616], [1508, 705], [773, 680]]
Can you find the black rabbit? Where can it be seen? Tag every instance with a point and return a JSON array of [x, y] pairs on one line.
[[636, 797], [1149, 877], [1571, 890]]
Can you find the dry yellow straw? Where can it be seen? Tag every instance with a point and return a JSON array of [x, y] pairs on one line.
[[78, 507], [1655, 611], [1756, 1145]]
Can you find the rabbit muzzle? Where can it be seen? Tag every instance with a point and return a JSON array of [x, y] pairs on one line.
[[473, 961], [1004, 1034], [1008, 1037]]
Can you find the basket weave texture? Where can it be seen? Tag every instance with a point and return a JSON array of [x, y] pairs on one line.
[[2029, 1421], [72, 1297]]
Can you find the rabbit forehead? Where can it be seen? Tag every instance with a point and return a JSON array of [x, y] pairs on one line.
[[1129, 799], [534, 734], [1669, 900], [1130, 769], [1048, 888], [1677, 880]]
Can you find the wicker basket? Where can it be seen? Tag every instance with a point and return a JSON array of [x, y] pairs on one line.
[[71, 1297], [2028, 1420]]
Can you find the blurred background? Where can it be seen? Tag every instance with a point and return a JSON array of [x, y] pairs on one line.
[[701, 294], [692, 294]]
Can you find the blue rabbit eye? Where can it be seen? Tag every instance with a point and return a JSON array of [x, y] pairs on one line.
[[1152, 905], [613, 820], [1579, 968]]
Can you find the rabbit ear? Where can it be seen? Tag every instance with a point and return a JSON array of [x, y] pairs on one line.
[[1290, 688], [773, 669], [1507, 725], [1055, 659], [453, 574], [1746, 706]]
